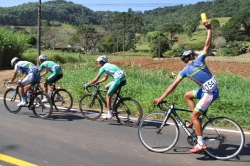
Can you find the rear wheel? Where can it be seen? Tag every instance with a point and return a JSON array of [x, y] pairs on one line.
[[129, 111], [224, 138], [62, 100], [40, 109], [90, 107], [11, 99]]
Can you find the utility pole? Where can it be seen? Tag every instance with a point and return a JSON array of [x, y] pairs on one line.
[[39, 30]]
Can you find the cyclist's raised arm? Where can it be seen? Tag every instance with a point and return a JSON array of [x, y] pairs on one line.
[[169, 90], [209, 36]]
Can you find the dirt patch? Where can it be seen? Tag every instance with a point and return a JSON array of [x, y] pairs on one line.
[[239, 65]]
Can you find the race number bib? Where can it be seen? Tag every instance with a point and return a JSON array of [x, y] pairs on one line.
[[210, 85], [118, 74]]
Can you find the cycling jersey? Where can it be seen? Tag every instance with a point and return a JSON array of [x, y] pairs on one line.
[[51, 66], [200, 74], [112, 70], [28, 68], [115, 72], [54, 68], [25, 67]]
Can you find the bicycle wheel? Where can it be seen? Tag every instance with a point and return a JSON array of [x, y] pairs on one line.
[[40, 109], [224, 138], [62, 100], [129, 111], [156, 138], [11, 99], [91, 108]]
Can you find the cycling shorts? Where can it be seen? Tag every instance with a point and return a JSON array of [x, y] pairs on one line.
[[54, 77], [114, 85], [205, 99], [31, 78]]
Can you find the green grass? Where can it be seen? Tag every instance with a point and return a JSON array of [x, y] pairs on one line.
[[145, 85]]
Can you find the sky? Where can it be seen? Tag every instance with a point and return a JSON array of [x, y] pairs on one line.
[[113, 5]]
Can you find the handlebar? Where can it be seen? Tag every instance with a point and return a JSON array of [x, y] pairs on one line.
[[7, 82], [165, 105], [96, 86]]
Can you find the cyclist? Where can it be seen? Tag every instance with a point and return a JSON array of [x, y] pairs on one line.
[[197, 70], [52, 67], [110, 70], [31, 75]]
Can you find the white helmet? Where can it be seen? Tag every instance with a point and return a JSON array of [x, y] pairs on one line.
[[42, 57], [15, 59], [102, 58]]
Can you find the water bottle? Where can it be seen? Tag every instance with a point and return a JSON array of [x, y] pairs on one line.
[[203, 17]]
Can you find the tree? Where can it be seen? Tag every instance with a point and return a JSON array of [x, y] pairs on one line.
[[159, 44], [172, 29], [108, 44], [190, 27], [124, 19]]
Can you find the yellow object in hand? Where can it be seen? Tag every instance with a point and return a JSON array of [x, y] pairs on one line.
[[203, 17]]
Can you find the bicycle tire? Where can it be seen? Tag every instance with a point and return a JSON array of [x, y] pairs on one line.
[[40, 109], [11, 101], [91, 108], [229, 130], [128, 111], [62, 100], [155, 140]]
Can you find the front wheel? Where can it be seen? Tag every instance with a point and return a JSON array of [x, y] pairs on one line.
[[129, 111], [11, 99], [224, 138], [155, 135], [62, 100], [40, 109], [90, 107]]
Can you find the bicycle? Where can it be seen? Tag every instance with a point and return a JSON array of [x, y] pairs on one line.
[[159, 132], [33, 100], [91, 106], [61, 99]]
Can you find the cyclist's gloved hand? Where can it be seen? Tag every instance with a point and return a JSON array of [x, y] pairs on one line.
[[85, 85]]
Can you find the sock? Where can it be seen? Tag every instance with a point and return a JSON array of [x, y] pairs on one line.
[[110, 111], [23, 99], [200, 140]]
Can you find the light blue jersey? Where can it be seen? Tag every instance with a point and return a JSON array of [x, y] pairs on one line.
[[115, 72]]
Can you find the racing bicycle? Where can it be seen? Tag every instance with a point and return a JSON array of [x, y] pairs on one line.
[[34, 98], [126, 109], [159, 132]]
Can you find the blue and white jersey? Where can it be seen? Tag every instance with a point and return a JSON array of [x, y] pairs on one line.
[[200, 74], [25, 67]]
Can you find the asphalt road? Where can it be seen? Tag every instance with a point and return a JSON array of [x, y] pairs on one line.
[[67, 139]]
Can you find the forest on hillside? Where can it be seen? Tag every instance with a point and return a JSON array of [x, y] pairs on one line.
[[109, 32], [76, 14]]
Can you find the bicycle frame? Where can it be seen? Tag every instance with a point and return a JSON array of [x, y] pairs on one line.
[[173, 110]]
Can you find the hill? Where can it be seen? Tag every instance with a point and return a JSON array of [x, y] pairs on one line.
[[76, 14]]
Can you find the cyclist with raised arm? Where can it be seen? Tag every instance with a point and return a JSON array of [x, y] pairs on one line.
[[197, 70], [110, 70], [52, 67], [31, 75]]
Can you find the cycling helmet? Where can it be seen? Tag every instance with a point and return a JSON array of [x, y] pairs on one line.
[[15, 59], [102, 58], [42, 57], [186, 55]]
